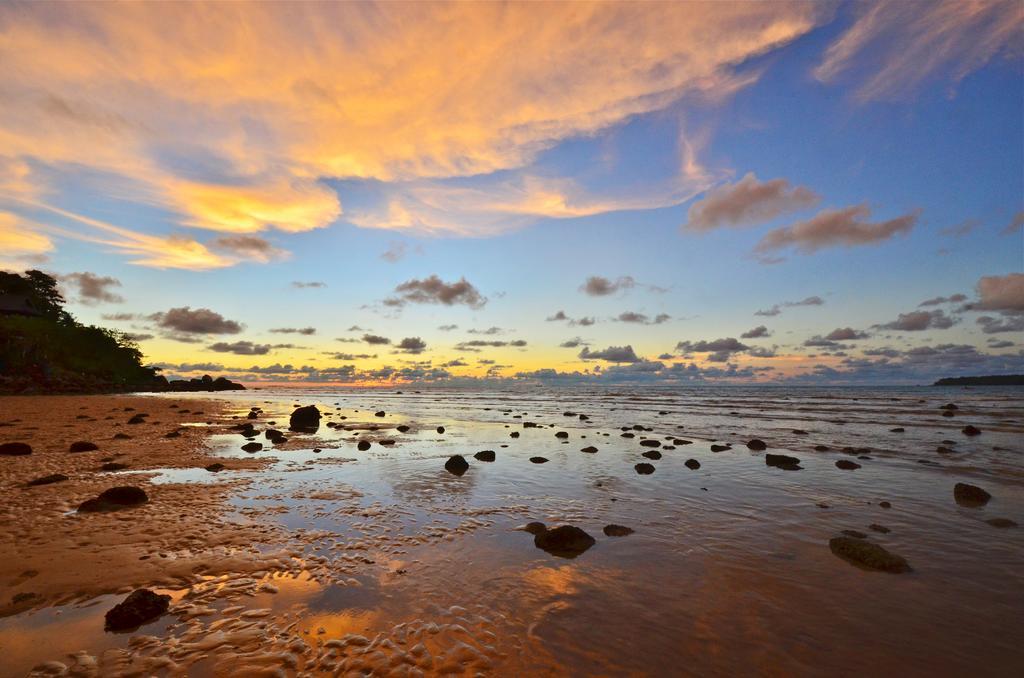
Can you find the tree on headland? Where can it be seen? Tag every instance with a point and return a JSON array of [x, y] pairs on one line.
[[43, 347]]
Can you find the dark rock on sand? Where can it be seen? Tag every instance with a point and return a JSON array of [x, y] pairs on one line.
[[440, 429], [590, 449], [565, 541], [402, 428], [122, 436], [898, 429], [617, 530], [272, 433], [113, 466], [847, 465], [692, 464], [867, 555], [562, 434], [456, 465], [47, 480], [720, 448], [970, 495], [680, 441], [114, 499], [379, 413], [885, 504], [484, 455], [783, 461], [363, 445], [651, 454], [252, 447], [628, 435], [213, 468], [1001, 522], [83, 446], [650, 443], [514, 434], [539, 460], [138, 419], [15, 449], [141, 606], [970, 430], [821, 448], [644, 469], [757, 445], [305, 419]]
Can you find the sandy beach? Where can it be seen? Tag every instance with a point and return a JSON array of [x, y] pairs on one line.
[[353, 549]]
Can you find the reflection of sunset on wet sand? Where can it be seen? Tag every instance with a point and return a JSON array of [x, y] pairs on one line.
[[511, 338]]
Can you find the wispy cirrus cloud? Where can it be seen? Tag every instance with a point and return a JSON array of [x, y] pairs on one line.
[[898, 45]]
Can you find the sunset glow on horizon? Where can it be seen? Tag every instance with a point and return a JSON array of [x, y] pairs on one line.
[[387, 193]]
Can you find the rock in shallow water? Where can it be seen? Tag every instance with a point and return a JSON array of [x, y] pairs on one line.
[[456, 465], [617, 530], [565, 541], [484, 455], [651, 454], [305, 419], [114, 499], [252, 447], [847, 465], [539, 460], [783, 461], [1001, 522], [970, 495], [589, 449], [692, 464], [644, 469], [757, 444], [970, 430], [141, 606], [867, 555]]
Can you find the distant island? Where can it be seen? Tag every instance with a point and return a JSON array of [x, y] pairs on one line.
[[43, 349], [991, 380]]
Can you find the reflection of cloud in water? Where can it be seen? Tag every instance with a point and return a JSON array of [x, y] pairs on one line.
[[426, 487]]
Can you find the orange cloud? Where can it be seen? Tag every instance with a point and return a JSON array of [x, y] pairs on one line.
[[229, 114], [288, 206], [18, 240]]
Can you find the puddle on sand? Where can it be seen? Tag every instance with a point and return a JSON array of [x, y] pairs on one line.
[[407, 568]]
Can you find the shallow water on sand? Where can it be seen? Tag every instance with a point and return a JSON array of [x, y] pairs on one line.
[[411, 568]]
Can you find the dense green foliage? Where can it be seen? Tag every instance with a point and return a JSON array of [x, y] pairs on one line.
[[53, 351]]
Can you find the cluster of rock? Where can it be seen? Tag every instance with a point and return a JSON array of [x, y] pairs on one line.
[[206, 383]]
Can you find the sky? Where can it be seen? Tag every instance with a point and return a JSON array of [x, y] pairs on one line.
[[372, 194]]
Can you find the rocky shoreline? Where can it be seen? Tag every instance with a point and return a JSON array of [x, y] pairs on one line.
[[87, 386]]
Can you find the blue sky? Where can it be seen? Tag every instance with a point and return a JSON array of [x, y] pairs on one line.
[[663, 148]]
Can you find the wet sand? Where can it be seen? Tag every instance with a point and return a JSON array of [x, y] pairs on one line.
[[315, 557]]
